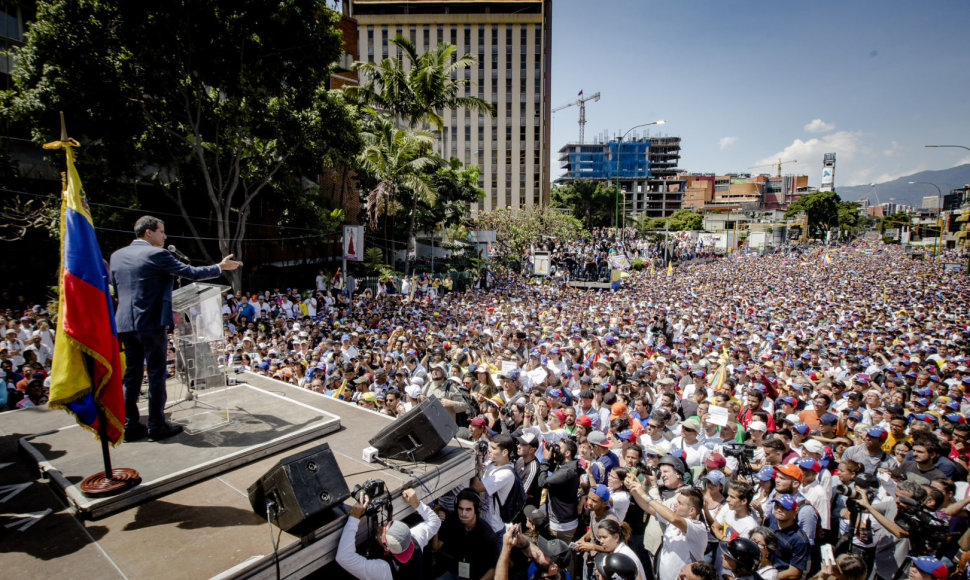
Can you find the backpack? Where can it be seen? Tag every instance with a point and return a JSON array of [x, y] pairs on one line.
[[515, 500]]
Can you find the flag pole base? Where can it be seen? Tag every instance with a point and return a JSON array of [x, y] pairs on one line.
[[97, 485]]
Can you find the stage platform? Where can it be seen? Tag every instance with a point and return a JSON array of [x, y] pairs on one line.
[[257, 423], [195, 529]]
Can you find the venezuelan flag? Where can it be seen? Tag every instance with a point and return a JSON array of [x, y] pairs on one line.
[[87, 365]]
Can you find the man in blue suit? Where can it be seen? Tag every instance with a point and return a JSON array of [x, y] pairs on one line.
[[142, 275]]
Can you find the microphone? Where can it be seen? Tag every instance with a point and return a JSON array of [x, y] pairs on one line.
[[178, 254]]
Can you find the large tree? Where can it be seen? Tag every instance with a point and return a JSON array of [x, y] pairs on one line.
[[212, 104], [515, 231], [821, 209]]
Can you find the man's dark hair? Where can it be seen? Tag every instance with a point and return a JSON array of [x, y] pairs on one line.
[[145, 223], [703, 570], [503, 441], [571, 447], [775, 445], [903, 418], [928, 440], [472, 496]]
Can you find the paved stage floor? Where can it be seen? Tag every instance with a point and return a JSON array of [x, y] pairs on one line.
[[198, 531]]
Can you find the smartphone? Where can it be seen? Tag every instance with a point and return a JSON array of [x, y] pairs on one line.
[[828, 556]]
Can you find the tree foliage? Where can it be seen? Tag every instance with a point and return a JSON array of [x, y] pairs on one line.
[[821, 209], [515, 231], [850, 216], [680, 220], [457, 188], [416, 89], [212, 104], [592, 203]]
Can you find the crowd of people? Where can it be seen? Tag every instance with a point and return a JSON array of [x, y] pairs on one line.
[[778, 417]]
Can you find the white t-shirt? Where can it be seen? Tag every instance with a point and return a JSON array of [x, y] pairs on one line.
[[733, 526], [695, 452], [498, 482], [680, 549]]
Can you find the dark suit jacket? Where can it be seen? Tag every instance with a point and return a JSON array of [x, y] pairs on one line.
[[142, 276]]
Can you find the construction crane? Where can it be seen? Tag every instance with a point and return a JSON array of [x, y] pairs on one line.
[[582, 111], [778, 165]]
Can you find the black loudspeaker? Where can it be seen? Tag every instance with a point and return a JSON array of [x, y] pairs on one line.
[[417, 434], [301, 487]]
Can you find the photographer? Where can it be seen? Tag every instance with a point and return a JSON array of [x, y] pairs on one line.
[[856, 526], [403, 547], [497, 479], [889, 552], [559, 475]]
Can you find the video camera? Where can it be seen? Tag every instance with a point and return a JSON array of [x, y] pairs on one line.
[[740, 450], [927, 531], [376, 490]]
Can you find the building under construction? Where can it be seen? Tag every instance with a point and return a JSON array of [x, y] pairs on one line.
[[646, 166]]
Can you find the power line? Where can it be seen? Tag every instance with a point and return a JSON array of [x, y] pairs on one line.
[[133, 210]]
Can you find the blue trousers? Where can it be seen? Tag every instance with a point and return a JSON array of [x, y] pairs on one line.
[[145, 348]]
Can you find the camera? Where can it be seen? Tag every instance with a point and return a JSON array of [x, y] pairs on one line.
[[853, 495], [481, 447], [554, 454], [376, 490], [740, 450], [927, 531]]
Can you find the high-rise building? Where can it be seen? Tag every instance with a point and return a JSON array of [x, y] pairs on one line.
[[511, 39], [646, 166]]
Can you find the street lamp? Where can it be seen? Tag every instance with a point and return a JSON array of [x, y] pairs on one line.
[[617, 208], [941, 205]]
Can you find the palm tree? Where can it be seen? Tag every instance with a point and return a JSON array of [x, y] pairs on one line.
[[416, 89], [399, 158]]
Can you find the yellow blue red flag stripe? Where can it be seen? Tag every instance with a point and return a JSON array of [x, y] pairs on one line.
[[87, 364]]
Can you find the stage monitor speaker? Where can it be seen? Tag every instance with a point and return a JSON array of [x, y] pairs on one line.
[[418, 434], [302, 487]]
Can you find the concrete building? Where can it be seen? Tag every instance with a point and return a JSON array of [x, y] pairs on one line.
[[512, 41], [647, 168]]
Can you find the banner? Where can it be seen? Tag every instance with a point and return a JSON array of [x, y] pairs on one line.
[[354, 243]]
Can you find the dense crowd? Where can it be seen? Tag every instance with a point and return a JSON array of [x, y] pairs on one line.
[[782, 416]]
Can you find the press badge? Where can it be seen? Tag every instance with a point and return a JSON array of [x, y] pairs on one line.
[[464, 570]]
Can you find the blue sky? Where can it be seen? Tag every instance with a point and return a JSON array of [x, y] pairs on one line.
[[746, 82]]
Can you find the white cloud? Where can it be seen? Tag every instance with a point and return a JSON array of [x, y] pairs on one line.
[[895, 149], [818, 126], [844, 143], [726, 142]]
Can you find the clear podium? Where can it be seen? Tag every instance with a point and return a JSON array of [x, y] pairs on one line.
[[199, 347]]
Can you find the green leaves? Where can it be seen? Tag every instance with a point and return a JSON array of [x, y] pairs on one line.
[[821, 208]]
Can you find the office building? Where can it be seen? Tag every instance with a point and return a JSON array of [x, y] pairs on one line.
[[511, 41]]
